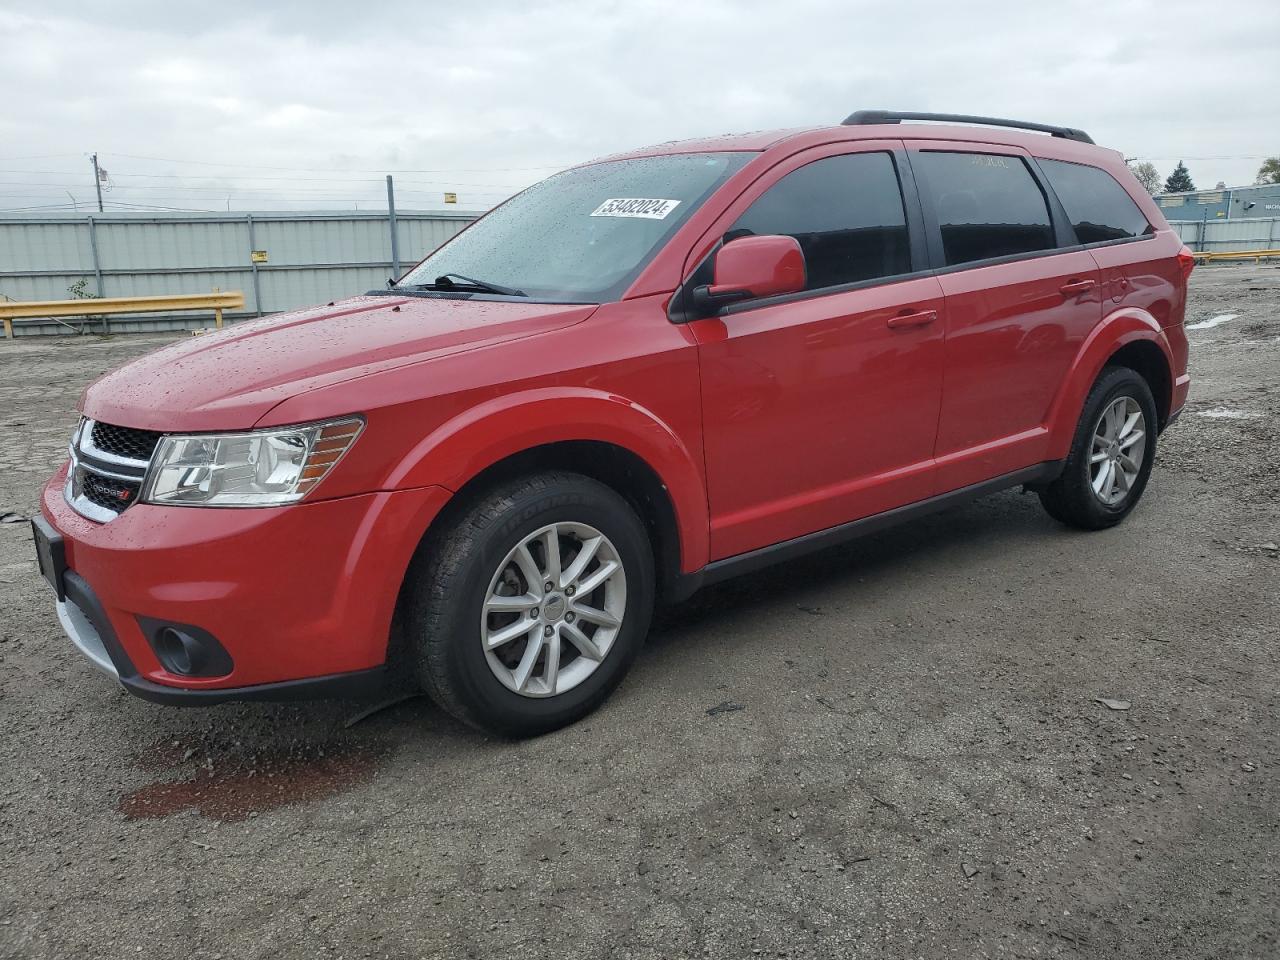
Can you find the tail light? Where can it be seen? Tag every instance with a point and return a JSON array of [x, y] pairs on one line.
[[1186, 263]]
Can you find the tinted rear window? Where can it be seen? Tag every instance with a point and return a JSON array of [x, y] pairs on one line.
[[846, 212], [1097, 206], [987, 205]]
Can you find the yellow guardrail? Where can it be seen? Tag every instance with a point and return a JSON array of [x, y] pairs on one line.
[[11, 310], [1254, 255]]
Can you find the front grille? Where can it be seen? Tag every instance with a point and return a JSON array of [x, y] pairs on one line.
[[108, 466], [108, 492], [125, 441]]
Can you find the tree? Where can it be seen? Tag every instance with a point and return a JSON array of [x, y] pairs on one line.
[[1179, 181], [1147, 175], [1269, 172], [78, 290]]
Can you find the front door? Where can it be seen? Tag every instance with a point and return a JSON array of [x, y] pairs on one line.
[[821, 407]]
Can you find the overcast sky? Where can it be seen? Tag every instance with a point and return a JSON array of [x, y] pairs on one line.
[[275, 105]]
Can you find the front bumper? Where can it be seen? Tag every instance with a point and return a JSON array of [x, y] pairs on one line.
[[301, 597]]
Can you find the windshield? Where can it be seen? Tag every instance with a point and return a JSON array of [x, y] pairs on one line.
[[585, 234]]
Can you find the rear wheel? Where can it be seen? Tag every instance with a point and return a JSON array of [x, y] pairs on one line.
[[528, 610], [1111, 455]]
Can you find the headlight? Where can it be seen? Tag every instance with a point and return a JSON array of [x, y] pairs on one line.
[[261, 468]]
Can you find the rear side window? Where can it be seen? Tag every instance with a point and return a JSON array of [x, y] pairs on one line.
[[987, 205], [846, 212], [1099, 208]]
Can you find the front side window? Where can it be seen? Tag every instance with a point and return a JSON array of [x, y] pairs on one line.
[[1099, 208], [585, 234], [987, 205], [846, 212]]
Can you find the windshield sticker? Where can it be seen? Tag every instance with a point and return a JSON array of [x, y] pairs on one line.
[[636, 207]]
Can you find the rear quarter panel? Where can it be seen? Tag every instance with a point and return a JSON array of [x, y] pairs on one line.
[[1144, 295]]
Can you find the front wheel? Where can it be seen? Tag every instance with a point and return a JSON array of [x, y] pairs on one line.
[[1111, 456], [528, 609]]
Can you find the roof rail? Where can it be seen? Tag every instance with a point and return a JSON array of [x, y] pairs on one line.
[[863, 117]]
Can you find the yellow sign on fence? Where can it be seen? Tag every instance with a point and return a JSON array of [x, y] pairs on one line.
[[258, 256], [450, 198]]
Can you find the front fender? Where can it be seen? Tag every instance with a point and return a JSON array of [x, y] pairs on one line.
[[459, 449], [1117, 330]]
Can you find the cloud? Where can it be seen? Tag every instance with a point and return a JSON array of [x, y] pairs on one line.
[[490, 97]]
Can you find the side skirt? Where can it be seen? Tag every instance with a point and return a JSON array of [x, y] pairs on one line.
[[719, 570]]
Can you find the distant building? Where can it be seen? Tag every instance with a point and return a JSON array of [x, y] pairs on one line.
[[1230, 203]]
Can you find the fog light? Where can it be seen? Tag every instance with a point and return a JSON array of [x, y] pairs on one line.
[[178, 652], [186, 650]]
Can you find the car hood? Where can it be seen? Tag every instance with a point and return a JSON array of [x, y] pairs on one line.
[[229, 380]]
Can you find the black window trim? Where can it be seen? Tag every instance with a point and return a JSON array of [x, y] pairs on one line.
[[924, 238], [1009, 258], [1035, 255], [1119, 240], [917, 249]]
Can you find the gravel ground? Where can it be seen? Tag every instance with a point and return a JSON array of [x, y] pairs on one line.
[[909, 760]]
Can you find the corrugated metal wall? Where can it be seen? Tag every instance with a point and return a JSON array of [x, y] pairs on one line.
[[311, 258], [1219, 236], [1229, 203]]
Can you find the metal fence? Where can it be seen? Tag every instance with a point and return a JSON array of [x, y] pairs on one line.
[[286, 260], [1219, 236], [280, 260]]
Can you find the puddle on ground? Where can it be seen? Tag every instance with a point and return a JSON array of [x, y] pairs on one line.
[[1213, 321], [1224, 413], [235, 791]]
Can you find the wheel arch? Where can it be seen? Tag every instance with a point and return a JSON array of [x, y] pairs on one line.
[[599, 435], [1146, 359], [618, 468], [1128, 337]]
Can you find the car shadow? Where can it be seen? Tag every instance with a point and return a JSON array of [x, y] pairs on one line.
[[853, 567], [234, 736]]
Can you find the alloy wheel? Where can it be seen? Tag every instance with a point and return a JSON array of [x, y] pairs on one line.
[[553, 609], [1119, 445]]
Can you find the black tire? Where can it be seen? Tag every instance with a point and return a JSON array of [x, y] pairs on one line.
[[449, 580], [1070, 498]]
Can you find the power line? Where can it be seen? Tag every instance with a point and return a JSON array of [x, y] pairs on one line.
[[38, 156], [210, 185], [66, 207], [184, 176], [154, 206], [502, 191], [1180, 156], [258, 166]]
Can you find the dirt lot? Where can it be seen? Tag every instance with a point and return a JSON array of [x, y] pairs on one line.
[[918, 767]]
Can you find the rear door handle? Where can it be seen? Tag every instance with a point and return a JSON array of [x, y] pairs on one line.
[[1077, 287], [912, 318]]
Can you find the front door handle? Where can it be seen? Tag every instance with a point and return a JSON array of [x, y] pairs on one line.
[[912, 318], [1076, 287]]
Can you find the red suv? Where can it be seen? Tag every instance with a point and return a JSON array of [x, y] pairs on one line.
[[639, 376]]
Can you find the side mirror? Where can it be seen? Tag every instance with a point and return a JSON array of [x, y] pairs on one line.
[[752, 267]]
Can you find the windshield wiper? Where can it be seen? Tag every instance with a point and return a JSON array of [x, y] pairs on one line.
[[446, 282]]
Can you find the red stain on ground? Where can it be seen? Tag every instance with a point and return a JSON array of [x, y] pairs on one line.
[[236, 792]]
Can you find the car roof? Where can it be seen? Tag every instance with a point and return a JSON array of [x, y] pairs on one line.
[[799, 138]]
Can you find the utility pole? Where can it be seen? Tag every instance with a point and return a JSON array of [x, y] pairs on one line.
[[391, 222], [97, 181]]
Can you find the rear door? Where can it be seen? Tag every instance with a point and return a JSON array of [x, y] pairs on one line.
[[821, 407], [1018, 304]]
